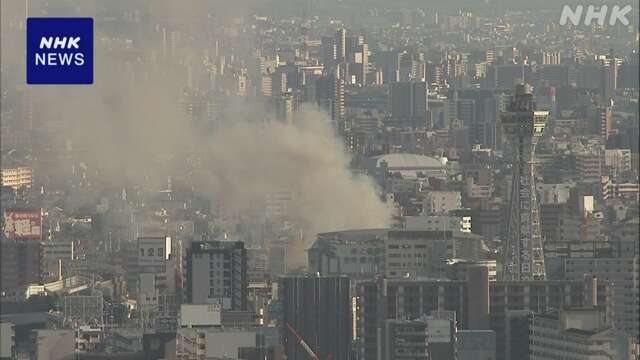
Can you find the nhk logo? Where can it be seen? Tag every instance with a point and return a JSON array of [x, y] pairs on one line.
[[57, 58], [59, 51], [593, 12]]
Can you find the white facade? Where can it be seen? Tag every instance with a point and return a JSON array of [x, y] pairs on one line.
[[153, 251]]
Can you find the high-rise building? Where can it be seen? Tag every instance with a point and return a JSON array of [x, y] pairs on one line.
[[217, 273], [422, 253], [329, 50], [628, 74], [609, 78], [318, 309], [279, 81], [604, 121], [355, 253], [410, 298], [506, 76], [583, 333], [338, 109], [428, 337], [624, 273], [617, 161], [515, 335], [285, 107], [478, 304], [341, 45], [475, 345], [408, 103], [588, 165], [523, 126], [399, 299], [358, 60], [389, 64], [536, 297], [20, 266], [413, 67]]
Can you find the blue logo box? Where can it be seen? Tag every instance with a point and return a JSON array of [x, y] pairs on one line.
[[59, 51]]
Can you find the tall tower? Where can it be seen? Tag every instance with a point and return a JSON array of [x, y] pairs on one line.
[[523, 126]]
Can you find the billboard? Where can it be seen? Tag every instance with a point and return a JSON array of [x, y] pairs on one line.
[[23, 224], [154, 251]]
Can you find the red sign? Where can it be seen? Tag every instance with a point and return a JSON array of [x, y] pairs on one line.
[[23, 224]]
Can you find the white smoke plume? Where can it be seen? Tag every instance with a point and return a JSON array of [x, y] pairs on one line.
[[249, 160], [129, 118]]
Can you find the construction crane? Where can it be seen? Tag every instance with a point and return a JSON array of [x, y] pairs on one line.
[[303, 343]]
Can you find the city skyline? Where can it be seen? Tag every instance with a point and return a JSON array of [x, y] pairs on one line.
[[304, 179]]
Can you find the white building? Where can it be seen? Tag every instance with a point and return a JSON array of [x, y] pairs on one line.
[[409, 165]]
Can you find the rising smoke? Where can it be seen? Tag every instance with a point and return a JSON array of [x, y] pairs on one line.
[[129, 119], [305, 159]]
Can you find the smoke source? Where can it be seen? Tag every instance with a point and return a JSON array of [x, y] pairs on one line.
[[249, 160], [130, 117]]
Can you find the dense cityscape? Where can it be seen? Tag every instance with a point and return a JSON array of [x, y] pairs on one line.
[[311, 179]]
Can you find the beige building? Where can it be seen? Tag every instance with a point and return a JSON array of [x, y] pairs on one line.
[[424, 253]]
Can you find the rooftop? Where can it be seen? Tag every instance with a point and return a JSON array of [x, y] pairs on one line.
[[409, 161]]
